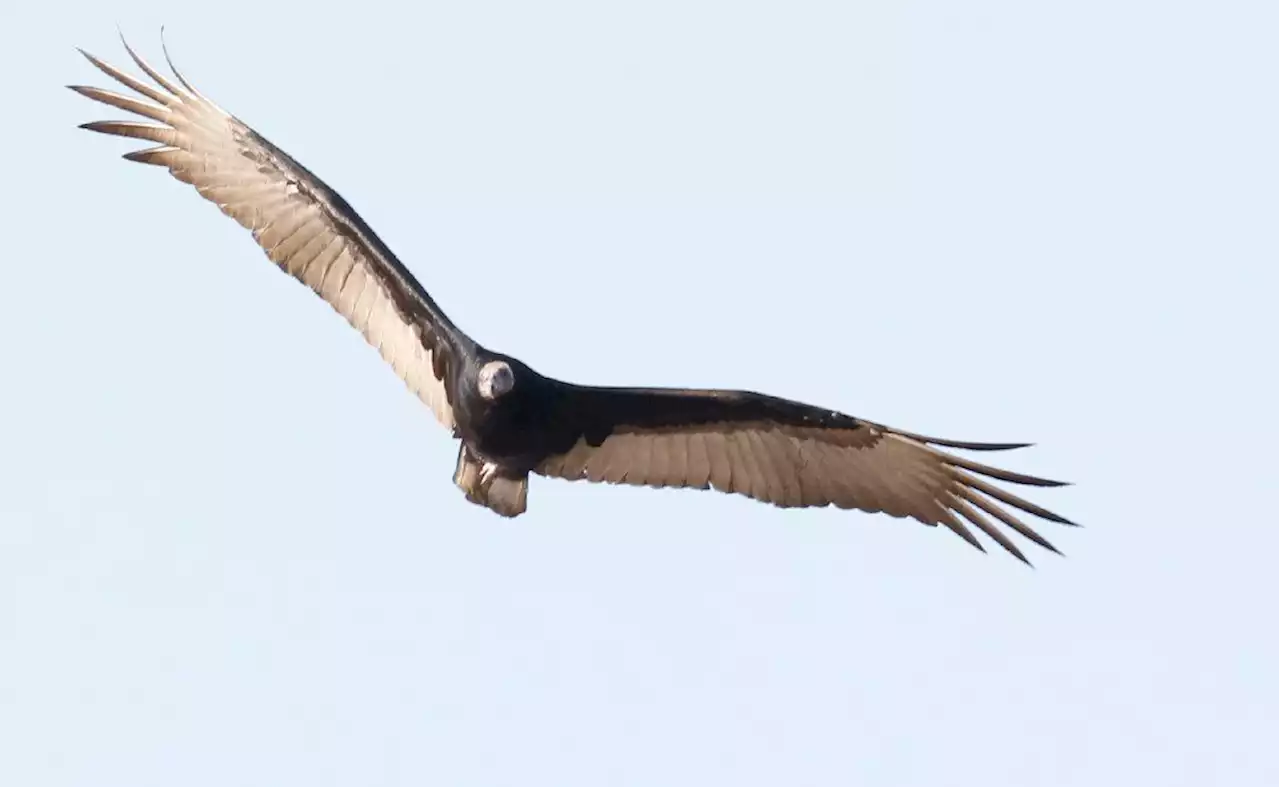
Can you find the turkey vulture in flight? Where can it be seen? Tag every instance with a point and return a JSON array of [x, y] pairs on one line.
[[513, 421]]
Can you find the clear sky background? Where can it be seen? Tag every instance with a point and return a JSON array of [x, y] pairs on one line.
[[230, 549]]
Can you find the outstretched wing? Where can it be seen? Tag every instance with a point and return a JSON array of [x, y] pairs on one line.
[[304, 226], [786, 453]]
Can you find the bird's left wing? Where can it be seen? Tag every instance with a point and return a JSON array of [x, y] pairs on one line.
[[305, 227], [783, 452]]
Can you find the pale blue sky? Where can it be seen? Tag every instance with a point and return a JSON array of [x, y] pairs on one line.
[[230, 546]]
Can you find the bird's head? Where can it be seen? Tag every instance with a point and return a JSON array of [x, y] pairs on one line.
[[495, 379]]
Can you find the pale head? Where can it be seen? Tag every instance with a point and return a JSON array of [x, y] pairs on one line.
[[495, 379]]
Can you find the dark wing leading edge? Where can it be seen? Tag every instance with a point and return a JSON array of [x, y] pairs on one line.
[[304, 226], [786, 453]]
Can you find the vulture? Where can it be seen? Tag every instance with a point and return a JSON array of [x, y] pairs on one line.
[[512, 421]]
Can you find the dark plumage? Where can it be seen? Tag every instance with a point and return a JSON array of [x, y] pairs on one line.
[[513, 421]]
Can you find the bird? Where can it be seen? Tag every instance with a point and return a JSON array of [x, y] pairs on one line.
[[512, 422]]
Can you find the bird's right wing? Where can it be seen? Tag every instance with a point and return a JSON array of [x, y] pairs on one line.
[[304, 226], [783, 452]]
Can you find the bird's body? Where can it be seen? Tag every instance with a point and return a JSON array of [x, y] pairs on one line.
[[513, 422]]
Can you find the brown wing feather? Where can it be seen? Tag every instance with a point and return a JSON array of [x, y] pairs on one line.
[[304, 227]]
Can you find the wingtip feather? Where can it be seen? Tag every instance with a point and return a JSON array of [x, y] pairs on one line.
[[164, 47], [953, 523], [965, 445], [150, 71], [971, 446]]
